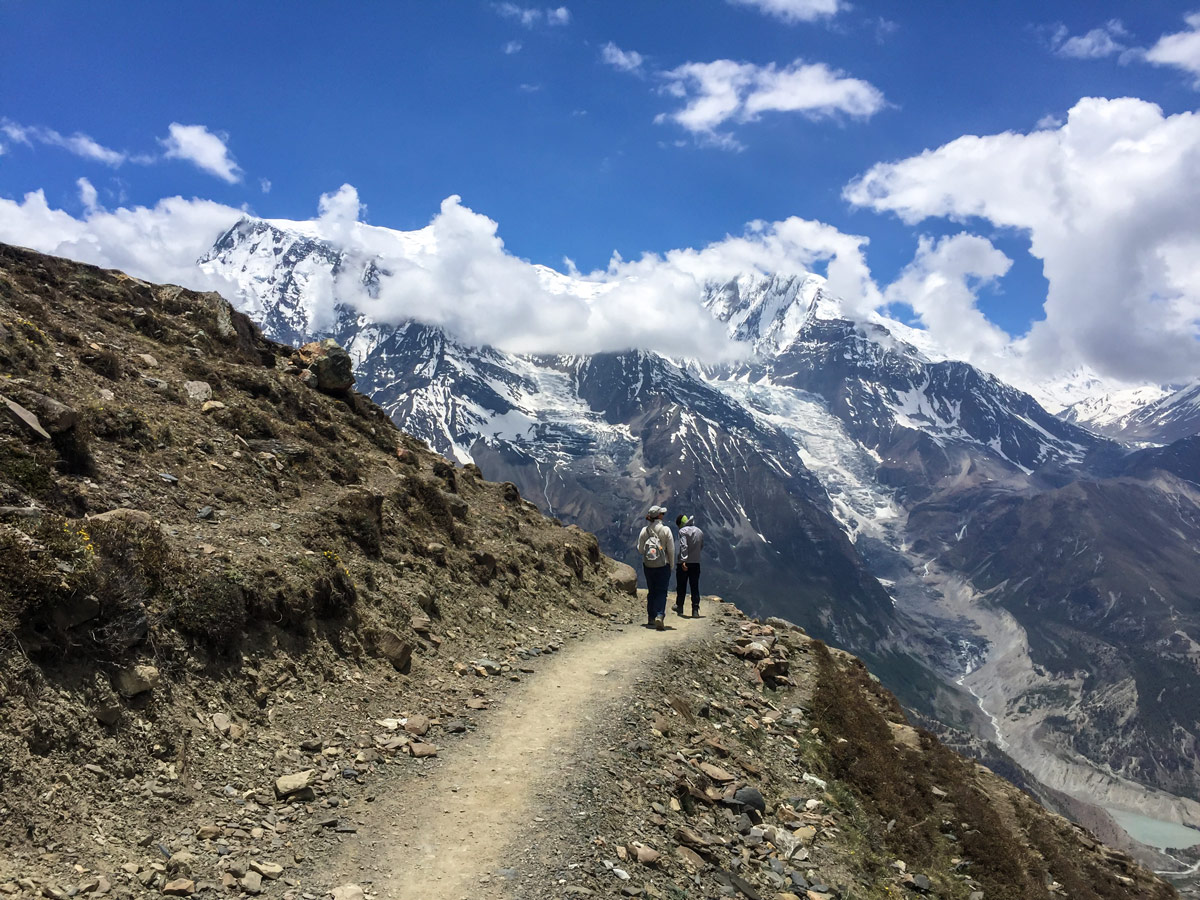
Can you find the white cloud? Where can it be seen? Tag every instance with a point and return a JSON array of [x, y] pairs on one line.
[[457, 273], [1108, 202], [87, 195], [530, 16], [201, 147], [1181, 50], [625, 60], [723, 91], [941, 286], [265, 185], [159, 243], [795, 10], [512, 47], [1095, 44], [78, 143]]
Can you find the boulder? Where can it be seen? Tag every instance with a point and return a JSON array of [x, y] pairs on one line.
[[198, 390], [289, 785], [332, 366], [623, 577], [137, 680], [124, 514], [396, 650]]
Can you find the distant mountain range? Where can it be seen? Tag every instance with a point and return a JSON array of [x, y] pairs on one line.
[[939, 522]]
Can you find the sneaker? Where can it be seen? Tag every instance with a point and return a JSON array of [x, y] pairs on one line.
[[649, 621], [695, 612], [658, 623], [679, 609]]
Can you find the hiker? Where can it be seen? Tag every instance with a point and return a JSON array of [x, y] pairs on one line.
[[657, 548], [691, 542]]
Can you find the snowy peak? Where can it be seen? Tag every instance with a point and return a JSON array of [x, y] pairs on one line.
[[770, 312]]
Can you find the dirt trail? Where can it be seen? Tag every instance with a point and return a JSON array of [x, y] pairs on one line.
[[437, 837]]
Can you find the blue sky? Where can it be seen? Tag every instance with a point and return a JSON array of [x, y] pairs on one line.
[[572, 148]]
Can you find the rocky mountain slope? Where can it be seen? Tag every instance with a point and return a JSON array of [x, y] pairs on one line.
[[237, 604], [833, 427]]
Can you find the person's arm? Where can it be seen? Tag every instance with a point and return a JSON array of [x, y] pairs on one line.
[[670, 542], [683, 548], [641, 542]]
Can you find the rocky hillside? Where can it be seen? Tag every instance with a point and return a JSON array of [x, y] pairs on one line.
[[237, 606]]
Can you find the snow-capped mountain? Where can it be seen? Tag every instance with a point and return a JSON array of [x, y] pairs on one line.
[[909, 506], [1147, 415]]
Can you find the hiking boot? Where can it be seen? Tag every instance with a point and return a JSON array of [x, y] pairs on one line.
[[679, 609], [659, 625], [649, 620], [695, 612]]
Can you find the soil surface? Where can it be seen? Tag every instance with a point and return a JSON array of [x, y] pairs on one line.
[[480, 807]]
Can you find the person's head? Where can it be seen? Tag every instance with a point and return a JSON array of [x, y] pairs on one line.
[[680, 521], [656, 512]]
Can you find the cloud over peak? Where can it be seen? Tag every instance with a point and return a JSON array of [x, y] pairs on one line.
[[1108, 204]]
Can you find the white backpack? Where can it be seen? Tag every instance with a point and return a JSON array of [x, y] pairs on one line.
[[653, 549]]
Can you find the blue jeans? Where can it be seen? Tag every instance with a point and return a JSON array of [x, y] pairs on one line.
[[658, 579]]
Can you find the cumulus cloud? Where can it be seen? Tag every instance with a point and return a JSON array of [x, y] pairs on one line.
[[203, 148], [78, 143], [625, 60], [722, 91], [795, 10], [530, 16], [1095, 44], [512, 47], [158, 243], [457, 273], [941, 286], [1181, 50], [87, 195], [1108, 204]]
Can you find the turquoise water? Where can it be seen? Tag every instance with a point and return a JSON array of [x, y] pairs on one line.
[[1155, 832]]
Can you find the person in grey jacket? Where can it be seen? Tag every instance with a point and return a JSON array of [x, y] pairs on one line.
[[691, 542], [656, 546]]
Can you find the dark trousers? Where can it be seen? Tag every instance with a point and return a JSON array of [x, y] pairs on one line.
[[685, 579], [658, 581]]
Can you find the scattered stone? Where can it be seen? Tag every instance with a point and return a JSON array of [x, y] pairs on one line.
[[137, 680], [180, 887], [752, 797], [266, 869], [198, 390], [348, 892], [26, 418], [211, 406], [396, 650], [251, 883], [418, 725], [486, 667], [420, 750], [147, 360], [288, 785], [716, 773]]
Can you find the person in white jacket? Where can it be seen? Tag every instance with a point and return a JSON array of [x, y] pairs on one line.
[[656, 546]]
